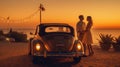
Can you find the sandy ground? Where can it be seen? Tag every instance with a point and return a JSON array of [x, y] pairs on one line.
[[15, 55]]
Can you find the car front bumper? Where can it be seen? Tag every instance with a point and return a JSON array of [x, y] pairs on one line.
[[59, 54]]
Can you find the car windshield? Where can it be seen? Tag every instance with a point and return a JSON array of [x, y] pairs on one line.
[[57, 29]]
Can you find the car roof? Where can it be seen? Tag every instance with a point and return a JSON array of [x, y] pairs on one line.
[[42, 27], [54, 24]]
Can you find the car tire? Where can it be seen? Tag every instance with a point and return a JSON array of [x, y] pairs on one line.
[[77, 59], [37, 60]]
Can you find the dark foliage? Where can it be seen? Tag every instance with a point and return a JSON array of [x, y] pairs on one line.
[[105, 41], [1, 32], [19, 37], [2, 37], [116, 44]]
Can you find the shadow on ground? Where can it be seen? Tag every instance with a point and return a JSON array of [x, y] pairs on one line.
[[26, 61]]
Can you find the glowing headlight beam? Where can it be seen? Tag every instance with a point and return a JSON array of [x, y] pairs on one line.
[[37, 46], [79, 46]]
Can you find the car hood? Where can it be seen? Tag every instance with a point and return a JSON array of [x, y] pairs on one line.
[[59, 42]]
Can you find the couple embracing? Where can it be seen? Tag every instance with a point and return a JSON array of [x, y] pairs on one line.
[[84, 33]]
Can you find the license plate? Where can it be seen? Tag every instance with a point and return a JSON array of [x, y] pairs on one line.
[[60, 45]]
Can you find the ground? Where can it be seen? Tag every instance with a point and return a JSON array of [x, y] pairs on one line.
[[15, 55]]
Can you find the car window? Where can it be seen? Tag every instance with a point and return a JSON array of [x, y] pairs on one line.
[[57, 29]]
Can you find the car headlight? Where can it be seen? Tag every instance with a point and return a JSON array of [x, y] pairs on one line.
[[37, 46], [79, 46]]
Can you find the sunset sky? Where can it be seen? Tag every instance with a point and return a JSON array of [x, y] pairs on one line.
[[22, 13]]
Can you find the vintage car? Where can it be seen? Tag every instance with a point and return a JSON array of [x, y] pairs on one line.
[[55, 40]]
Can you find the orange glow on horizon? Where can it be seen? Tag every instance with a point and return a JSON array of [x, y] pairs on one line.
[[23, 13]]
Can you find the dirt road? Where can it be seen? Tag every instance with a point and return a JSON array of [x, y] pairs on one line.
[[15, 55]]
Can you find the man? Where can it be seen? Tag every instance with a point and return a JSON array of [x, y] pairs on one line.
[[80, 28]]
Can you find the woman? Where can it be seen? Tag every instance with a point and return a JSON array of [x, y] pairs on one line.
[[88, 36]]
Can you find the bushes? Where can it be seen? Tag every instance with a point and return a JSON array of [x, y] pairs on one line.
[[116, 44], [13, 36], [106, 41], [2, 37], [1, 33], [19, 37]]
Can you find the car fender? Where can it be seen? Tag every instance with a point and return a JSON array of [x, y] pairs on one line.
[[75, 45]]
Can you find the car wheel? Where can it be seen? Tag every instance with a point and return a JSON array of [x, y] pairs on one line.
[[37, 60], [77, 59]]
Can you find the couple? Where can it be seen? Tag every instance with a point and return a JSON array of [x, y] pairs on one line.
[[84, 33]]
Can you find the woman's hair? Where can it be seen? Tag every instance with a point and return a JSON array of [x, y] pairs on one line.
[[89, 18]]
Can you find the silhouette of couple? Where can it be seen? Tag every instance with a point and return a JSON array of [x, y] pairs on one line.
[[84, 33]]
